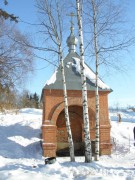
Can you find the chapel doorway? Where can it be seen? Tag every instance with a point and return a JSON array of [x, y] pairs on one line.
[[76, 123]]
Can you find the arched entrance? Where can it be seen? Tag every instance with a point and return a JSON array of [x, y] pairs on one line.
[[76, 123]]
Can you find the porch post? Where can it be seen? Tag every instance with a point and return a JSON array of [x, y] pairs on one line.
[[49, 139]]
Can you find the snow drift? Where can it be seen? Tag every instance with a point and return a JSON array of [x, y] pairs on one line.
[[21, 152]]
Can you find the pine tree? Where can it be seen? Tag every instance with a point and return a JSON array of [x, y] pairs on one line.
[[36, 100]]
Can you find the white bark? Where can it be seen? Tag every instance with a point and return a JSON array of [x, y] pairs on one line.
[[97, 92], [109, 38], [70, 139], [88, 151], [54, 29], [112, 36]]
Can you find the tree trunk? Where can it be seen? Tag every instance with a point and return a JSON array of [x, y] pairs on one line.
[[53, 27], [70, 139], [97, 92], [88, 151]]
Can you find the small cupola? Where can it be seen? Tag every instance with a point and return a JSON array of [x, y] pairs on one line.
[[72, 40]]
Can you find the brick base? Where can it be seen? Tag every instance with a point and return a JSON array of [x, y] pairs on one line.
[[54, 129], [105, 148], [49, 149]]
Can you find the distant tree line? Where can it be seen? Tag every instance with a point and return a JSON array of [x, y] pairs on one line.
[[11, 99], [30, 100]]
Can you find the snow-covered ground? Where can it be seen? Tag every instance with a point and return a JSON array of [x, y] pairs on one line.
[[21, 152]]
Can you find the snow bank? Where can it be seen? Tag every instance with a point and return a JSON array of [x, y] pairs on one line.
[[31, 111], [21, 152]]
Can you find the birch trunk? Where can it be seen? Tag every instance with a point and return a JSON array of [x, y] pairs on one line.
[[70, 139], [53, 26], [97, 92], [88, 151]]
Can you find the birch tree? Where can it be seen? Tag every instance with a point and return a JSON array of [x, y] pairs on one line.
[[88, 151], [97, 93], [53, 28], [108, 39], [112, 32]]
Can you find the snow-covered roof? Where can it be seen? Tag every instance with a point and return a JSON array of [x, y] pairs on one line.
[[73, 76], [52, 79], [89, 74]]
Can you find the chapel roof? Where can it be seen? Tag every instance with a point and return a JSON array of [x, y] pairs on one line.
[[72, 71], [73, 76]]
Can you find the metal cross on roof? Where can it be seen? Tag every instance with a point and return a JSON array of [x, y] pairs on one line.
[[72, 24], [71, 15]]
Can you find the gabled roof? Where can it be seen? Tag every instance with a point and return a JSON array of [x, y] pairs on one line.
[[73, 77]]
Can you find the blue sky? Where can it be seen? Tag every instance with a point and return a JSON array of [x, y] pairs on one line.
[[123, 84]]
